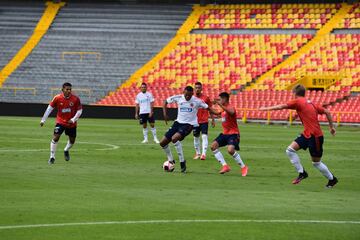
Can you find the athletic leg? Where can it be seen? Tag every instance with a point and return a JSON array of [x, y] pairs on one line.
[[153, 131], [218, 155], [295, 161]]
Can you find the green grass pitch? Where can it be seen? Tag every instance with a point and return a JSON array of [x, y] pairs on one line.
[[113, 178]]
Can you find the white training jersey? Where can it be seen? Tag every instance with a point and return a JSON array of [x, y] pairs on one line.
[[144, 100], [187, 110]]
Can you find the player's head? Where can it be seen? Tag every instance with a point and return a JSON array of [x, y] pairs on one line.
[[143, 87], [299, 90], [198, 88], [224, 97], [66, 89], [188, 92]]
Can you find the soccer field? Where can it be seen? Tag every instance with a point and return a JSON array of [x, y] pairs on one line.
[[114, 186]]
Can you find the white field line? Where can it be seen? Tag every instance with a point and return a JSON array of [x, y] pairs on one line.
[[107, 147], [180, 221], [114, 147]]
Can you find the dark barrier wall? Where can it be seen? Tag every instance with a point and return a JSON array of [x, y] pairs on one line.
[[203, 1], [89, 111]]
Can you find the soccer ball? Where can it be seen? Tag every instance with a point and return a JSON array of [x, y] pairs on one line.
[[168, 166]]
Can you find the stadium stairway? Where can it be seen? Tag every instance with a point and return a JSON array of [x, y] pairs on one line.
[[95, 49]]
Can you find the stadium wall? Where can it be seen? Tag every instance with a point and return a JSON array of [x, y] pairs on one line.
[[89, 111], [203, 2]]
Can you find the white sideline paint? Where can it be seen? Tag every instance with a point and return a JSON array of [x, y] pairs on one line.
[[179, 221], [113, 147], [107, 148]]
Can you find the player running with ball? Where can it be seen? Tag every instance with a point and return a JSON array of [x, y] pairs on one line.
[[312, 136], [188, 106]]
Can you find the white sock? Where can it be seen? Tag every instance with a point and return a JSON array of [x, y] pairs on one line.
[[153, 130], [169, 155], [218, 155], [145, 133], [197, 145], [294, 159], [53, 146], [68, 146], [238, 159], [204, 143], [179, 150], [323, 169]]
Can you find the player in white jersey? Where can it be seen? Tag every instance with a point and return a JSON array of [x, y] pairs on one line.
[[144, 112], [188, 106]]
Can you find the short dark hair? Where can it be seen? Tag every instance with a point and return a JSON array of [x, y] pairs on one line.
[[225, 95], [299, 90], [66, 84], [198, 83], [189, 88], [143, 84]]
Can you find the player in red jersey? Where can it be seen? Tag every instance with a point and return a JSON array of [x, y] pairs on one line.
[[69, 110], [230, 136], [312, 136], [203, 120]]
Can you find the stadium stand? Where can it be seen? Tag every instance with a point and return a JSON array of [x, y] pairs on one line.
[[224, 62], [256, 51], [16, 25], [93, 49], [213, 60], [338, 54], [284, 16], [39, 31], [352, 19]]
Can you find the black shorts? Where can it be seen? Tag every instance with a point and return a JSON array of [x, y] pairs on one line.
[[315, 144], [203, 128], [59, 129], [183, 128], [232, 139], [144, 118]]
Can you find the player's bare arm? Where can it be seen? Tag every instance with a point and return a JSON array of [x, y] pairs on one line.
[[151, 109], [276, 107], [137, 111], [229, 109], [165, 112], [212, 120], [331, 123], [213, 112]]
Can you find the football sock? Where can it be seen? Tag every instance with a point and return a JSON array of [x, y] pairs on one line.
[[145, 133], [53, 146], [323, 169], [68, 146], [294, 159], [204, 143], [197, 145], [218, 155], [238, 159], [179, 150], [153, 130], [169, 155]]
